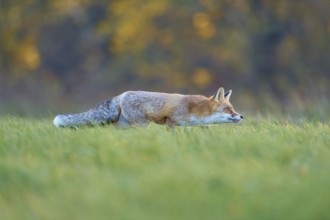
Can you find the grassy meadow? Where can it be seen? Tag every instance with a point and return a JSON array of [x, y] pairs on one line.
[[263, 168]]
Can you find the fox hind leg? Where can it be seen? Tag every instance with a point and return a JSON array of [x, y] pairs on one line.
[[122, 122], [135, 117]]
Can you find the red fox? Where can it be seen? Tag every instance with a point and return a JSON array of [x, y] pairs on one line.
[[141, 108]]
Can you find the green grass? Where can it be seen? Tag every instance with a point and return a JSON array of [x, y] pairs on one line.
[[260, 169]]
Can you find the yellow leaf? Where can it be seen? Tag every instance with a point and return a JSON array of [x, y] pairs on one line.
[[202, 77]]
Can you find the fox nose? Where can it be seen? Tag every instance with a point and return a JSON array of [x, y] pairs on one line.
[[242, 117]]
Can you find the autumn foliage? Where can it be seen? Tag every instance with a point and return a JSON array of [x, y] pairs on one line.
[[58, 54]]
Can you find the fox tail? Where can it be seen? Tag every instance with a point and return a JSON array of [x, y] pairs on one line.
[[103, 113]]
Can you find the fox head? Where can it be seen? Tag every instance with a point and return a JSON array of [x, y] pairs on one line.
[[223, 111]]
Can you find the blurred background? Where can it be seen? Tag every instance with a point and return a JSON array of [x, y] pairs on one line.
[[67, 55]]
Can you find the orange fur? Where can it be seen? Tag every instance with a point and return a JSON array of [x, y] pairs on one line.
[[200, 105], [162, 116]]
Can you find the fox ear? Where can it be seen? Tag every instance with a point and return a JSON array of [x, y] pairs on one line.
[[228, 94], [219, 95]]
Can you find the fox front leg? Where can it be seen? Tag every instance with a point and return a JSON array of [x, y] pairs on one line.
[[170, 123]]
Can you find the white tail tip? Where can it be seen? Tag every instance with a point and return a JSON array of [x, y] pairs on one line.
[[58, 122]]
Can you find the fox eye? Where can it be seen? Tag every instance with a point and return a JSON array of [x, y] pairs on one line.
[[228, 110], [225, 110]]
